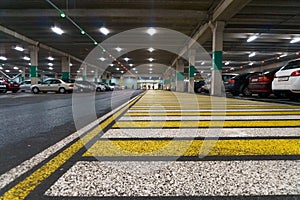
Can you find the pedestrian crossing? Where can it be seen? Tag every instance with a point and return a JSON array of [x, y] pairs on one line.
[[172, 140]]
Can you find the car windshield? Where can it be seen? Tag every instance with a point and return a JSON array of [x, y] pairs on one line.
[[292, 65]]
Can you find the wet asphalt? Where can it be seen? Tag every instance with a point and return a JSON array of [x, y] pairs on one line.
[[31, 123]]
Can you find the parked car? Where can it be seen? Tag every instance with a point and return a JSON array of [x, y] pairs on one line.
[[84, 86], [261, 84], [10, 86], [3, 88], [25, 85], [198, 86], [53, 85], [239, 84], [100, 87], [107, 87], [225, 77], [287, 80]]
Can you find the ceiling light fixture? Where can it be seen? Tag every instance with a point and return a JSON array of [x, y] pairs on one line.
[[16, 68], [26, 58], [150, 59], [283, 55], [3, 58], [251, 63], [252, 54], [20, 71], [50, 58], [7, 70], [227, 63], [134, 68], [118, 49], [122, 72], [151, 49], [51, 68], [1, 67], [57, 30], [104, 30], [18, 48], [111, 65], [294, 40], [151, 31], [126, 59], [117, 68], [130, 65], [102, 59], [202, 63], [71, 64], [50, 64], [251, 38]]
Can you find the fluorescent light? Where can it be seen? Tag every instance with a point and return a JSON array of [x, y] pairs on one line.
[[50, 58], [51, 68], [92, 71], [150, 65], [57, 30], [50, 64], [227, 63], [283, 55], [151, 49], [122, 72], [150, 59], [102, 59], [150, 72], [71, 64], [126, 59], [29, 63], [118, 68], [1, 67], [20, 70], [294, 40], [151, 31], [136, 72], [16, 68], [150, 69], [251, 38], [3, 58], [18, 48], [118, 49], [202, 63], [251, 63], [252, 54], [130, 65], [78, 71], [7, 70], [104, 30], [134, 68], [26, 58], [111, 65]]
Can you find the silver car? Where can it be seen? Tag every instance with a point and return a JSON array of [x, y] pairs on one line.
[[53, 85]]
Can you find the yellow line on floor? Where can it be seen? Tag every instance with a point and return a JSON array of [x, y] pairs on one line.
[[224, 107], [195, 147], [195, 124], [23, 188], [209, 113]]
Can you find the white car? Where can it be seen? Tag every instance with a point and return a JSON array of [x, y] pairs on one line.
[[53, 85], [287, 80], [100, 87]]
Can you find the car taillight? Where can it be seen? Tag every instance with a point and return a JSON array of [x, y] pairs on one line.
[[295, 73], [231, 81], [264, 78], [71, 85]]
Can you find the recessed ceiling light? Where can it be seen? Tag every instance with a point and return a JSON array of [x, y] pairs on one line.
[[7, 70], [71, 64], [251, 38], [294, 40], [130, 65], [18, 48], [16, 68], [283, 55], [134, 68], [57, 30], [1, 67], [20, 71], [102, 59], [78, 71], [227, 63], [202, 63], [3, 58], [119, 49], [50, 58], [150, 69], [111, 65], [126, 59], [92, 71], [150, 59], [252, 54], [150, 72], [151, 49], [136, 72], [82, 32], [251, 63], [26, 58], [104, 30], [122, 72], [150, 65], [51, 68], [118, 68], [50, 64], [151, 31], [29, 63]]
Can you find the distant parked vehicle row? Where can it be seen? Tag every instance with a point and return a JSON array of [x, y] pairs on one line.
[[53, 85], [225, 78]]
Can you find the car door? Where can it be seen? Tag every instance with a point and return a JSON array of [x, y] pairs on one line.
[[45, 86], [55, 85]]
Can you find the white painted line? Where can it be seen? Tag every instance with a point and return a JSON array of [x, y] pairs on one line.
[[27, 165], [199, 118], [199, 105], [202, 132], [189, 178]]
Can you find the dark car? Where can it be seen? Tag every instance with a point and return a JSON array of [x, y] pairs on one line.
[[10, 86], [261, 84], [239, 84], [198, 86], [225, 78]]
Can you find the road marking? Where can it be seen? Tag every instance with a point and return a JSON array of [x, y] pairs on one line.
[[218, 110], [23, 188], [174, 147], [208, 124]]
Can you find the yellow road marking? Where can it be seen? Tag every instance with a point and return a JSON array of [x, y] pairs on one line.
[[209, 113], [23, 188], [195, 147], [209, 107], [195, 124]]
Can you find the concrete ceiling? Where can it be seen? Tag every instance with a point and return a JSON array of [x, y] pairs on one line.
[[275, 22]]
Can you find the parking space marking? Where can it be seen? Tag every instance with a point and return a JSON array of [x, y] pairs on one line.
[[24, 187]]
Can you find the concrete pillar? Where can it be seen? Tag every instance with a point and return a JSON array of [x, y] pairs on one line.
[[217, 83], [96, 77], [179, 75], [84, 72], [192, 54], [65, 67], [121, 80], [109, 77], [34, 64], [23, 74], [104, 77]]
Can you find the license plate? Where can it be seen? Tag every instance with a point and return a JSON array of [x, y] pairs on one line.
[[254, 80], [283, 78]]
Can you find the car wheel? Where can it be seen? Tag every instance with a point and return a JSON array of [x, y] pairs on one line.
[[263, 95], [4, 91], [246, 92], [98, 89], [35, 90], [62, 90]]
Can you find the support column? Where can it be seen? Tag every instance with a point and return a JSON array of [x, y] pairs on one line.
[[84, 72], [104, 77], [23, 74], [217, 83], [192, 54], [65, 67], [109, 77], [34, 64], [179, 75], [96, 75]]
